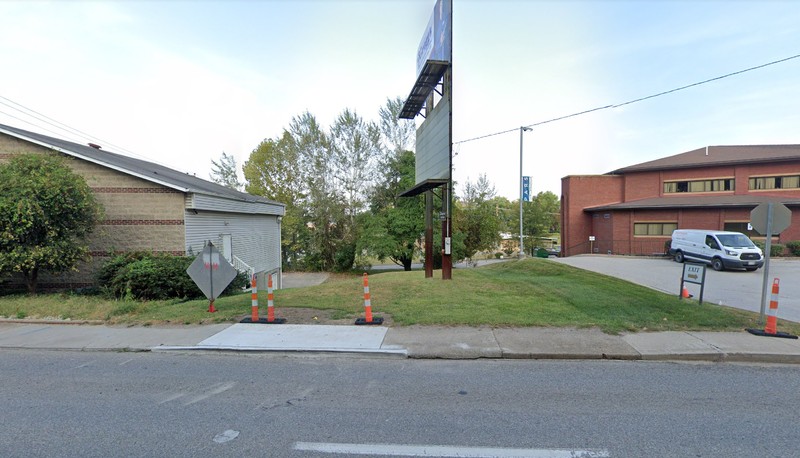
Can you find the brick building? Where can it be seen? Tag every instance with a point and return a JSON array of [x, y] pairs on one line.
[[634, 210], [149, 207]]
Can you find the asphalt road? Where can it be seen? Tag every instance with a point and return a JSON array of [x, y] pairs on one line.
[[79, 404], [740, 289]]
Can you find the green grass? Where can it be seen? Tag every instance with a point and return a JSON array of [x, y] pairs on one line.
[[532, 292]]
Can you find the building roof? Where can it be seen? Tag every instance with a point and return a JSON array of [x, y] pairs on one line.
[[718, 155], [683, 202], [145, 170]]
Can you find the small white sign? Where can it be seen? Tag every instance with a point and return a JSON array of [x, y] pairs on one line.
[[694, 273], [591, 238]]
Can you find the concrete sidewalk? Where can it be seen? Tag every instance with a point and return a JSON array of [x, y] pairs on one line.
[[414, 341]]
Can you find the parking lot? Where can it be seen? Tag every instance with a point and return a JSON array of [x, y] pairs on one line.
[[738, 289]]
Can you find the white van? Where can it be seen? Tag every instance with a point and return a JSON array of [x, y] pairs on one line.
[[722, 249]]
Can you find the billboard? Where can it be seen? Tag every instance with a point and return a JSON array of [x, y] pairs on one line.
[[433, 143], [436, 43]]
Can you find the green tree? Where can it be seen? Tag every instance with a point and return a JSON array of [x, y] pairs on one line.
[[398, 134], [541, 215], [355, 149], [395, 225], [477, 217], [273, 170], [224, 172], [46, 215]]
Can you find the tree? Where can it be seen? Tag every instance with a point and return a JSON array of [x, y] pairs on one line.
[[395, 225], [355, 149], [46, 215], [541, 215], [398, 134], [274, 171], [326, 180], [477, 218], [224, 172]]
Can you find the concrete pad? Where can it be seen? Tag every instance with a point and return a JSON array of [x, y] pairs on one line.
[[445, 342], [743, 346], [88, 337], [293, 337], [673, 345], [562, 343]]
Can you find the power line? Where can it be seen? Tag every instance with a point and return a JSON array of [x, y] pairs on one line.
[[606, 107], [73, 132]]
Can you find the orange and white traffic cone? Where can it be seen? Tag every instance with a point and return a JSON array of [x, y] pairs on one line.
[[771, 327], [685, 293], [270, 305], [368, 307], [772, 314], [253, 299]]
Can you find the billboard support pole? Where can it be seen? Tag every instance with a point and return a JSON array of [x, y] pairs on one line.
[[428, 234], [447, 258]]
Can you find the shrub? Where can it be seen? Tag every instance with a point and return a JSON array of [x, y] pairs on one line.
[[794, 247], [148, 276], [776, 249], [109, 270]]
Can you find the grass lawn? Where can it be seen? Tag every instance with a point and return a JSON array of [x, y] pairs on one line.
[[532, 292]]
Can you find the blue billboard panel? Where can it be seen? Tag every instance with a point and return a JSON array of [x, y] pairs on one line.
[[436, 43]]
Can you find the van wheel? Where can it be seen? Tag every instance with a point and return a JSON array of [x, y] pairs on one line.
[[717, 264], [679, 256]]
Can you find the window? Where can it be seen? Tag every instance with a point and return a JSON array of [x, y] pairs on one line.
[[720, 185], [740, 226], [653, 229], [781, 182]]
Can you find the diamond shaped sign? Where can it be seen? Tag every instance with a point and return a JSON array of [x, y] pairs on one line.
[[781, 218], [211, 272]]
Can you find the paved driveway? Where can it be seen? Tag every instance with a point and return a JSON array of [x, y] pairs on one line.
[[738, 289]]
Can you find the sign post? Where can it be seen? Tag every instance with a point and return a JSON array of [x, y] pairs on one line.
[[211, 273], [767, 219]]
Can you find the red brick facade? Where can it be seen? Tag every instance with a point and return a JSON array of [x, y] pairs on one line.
[[619, 208]]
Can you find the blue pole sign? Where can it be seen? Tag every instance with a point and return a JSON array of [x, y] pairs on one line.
[[526, 189]]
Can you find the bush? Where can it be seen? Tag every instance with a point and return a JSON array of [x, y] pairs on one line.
[[776, 249], [147, 276], [794, 247], [498, 255]]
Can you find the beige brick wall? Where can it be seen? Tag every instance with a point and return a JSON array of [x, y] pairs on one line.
[[138, 214]]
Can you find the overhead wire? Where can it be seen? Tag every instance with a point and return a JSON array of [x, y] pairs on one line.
[[629, 102], [74, 133]]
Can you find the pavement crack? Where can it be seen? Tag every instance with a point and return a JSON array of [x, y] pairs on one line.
[[497, 342], [291, 402]]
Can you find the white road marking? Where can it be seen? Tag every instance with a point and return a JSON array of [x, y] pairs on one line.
[[226, 436], [172, 398], [218, 388], [445, 451]]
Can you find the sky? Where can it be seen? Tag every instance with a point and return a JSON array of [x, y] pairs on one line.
[[181, 82]]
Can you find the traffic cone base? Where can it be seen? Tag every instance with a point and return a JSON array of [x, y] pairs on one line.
[[375, 320], [761, 332], [264, 321]]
